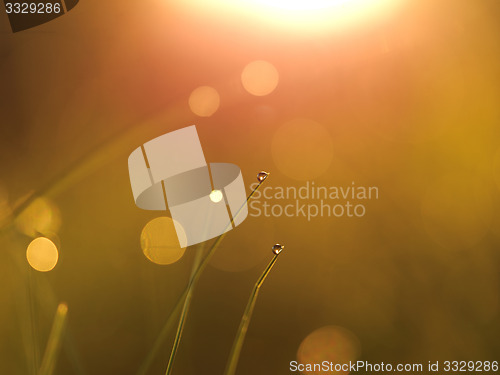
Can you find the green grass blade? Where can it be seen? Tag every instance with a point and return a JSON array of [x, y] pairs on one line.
[[179, 306], [54, 343], [234, 356]]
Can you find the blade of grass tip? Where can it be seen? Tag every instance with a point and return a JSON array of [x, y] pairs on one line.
[[54, 343], [234, 356], [46, 302], [261, 177]]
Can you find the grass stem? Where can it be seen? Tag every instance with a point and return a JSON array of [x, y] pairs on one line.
[[183, 310], [234, 356], [54, 343]]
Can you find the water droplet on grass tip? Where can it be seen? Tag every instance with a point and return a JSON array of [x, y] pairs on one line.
[[262, 176], [278, 248]]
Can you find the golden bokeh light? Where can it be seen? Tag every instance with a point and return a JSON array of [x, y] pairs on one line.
[[40, 217], [260, 78], [42, 254], [331, 343], [457, 211], [159, 241], [216, 196], [302, 149], [204, 101]]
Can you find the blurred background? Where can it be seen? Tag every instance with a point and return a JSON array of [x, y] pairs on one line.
[[397, 94]]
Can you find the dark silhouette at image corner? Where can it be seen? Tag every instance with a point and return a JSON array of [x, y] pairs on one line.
[[27, 14]]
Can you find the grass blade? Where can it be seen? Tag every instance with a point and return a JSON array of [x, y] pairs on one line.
[[178, 308], [234, 356], [54, 343], [184, 312]]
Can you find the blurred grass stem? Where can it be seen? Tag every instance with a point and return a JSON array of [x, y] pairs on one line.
[[54, 343]]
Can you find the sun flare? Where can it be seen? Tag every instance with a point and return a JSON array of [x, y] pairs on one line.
[[303, 4], [302, 15]]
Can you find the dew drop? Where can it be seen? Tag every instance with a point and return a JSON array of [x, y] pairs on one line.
[[278, 248], [262, 176]]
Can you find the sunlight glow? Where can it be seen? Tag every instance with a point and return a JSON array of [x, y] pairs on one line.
[[303, 4], [298, 15]]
